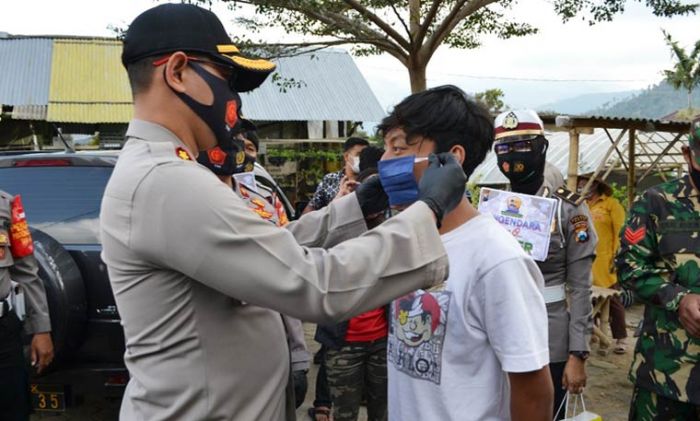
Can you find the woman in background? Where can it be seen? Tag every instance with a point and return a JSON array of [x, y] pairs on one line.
[[608, 219]]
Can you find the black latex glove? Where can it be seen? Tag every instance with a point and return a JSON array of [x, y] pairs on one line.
[[371, 196], [300, 386], [442, 185]]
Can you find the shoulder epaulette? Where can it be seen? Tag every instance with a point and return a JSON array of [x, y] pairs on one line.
[[568, 196]]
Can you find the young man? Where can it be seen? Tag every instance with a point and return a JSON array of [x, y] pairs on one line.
[[204, 336], [329, 186], [355, 350], [475, 348]]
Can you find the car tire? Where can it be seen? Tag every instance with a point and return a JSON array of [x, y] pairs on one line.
[[65, 293]]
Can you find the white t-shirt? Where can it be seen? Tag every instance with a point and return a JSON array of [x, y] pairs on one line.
[[449, 350]]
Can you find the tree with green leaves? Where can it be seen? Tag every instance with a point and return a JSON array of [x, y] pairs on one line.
[[686, 71], [412, 30], [491, 99]]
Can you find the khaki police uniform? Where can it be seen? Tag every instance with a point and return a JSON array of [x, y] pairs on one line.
[[204, 338], [14, 389], [567, 270], [269, 207]]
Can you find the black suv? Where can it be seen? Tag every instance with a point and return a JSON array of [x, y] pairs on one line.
[[62, 193]]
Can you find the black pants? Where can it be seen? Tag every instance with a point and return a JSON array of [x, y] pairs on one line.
[[14, 379], [557, 372], [323, 393]]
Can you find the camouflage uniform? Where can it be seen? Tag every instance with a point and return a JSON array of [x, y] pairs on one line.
[[659, 260]]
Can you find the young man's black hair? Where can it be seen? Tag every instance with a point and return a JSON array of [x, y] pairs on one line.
[[448, 117], [354, 141]]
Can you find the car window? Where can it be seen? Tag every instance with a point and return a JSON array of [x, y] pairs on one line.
[[64, 202]]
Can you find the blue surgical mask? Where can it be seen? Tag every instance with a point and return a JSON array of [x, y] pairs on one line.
[[398, 180]]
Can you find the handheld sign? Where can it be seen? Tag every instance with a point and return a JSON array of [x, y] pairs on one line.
[[528, 218]]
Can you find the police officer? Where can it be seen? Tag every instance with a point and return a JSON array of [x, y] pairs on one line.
[[521, 149], [658, 261], [204, 338], [267, 204], [19, 285]]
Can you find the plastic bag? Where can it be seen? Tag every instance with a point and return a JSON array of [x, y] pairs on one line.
[[572, 414]]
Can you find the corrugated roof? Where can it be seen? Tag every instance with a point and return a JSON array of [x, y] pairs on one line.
[[592, 150], [84, 82], [88, 82], [332, 89], [29, 112], [25, 71], [612, 122]]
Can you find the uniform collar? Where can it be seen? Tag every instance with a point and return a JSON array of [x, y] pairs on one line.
[[152, 132]]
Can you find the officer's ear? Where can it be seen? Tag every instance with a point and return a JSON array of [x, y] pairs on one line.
[[459, 153], [175, 70]]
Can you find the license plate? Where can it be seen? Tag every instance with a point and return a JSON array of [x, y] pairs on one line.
[[48, 397]]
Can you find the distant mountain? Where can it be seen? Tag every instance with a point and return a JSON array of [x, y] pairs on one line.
[[581, 104], [655, 102]]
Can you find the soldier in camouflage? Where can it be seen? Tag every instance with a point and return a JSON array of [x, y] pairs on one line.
[[659, 260]]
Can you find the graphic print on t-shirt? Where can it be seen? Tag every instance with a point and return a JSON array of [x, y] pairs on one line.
[[417, 334]]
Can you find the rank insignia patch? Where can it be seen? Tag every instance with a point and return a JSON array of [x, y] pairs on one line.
[[635, 236], [183, 154]]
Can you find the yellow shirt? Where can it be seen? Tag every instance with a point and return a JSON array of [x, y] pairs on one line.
[[608, 217]]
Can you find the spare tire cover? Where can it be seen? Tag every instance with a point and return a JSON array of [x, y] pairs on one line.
[[65, 293]]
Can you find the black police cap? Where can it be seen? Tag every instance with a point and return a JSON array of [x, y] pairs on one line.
[[184, 27]]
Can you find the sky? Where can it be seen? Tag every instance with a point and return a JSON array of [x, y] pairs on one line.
[[626, 54]]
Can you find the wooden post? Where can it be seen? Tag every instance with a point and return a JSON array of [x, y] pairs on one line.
[[631, 176], [572, 176]]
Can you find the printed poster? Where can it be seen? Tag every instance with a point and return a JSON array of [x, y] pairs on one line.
[[529, 218]]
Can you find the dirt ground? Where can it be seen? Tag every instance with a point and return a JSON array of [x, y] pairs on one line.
[[608, 392]]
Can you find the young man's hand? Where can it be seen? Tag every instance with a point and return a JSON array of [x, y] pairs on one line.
[[689, 314], [574, 379], [42, 351]]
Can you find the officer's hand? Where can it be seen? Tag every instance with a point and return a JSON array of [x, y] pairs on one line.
[[689, 314], [371, 196], [574, 379], [42, 351], [442, 185]]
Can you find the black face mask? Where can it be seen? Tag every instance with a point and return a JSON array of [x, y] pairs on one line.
[[525, 170], [227, 161], [222, 117]]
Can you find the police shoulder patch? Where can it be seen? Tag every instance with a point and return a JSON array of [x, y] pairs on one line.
[[580, 224], [567, 195]]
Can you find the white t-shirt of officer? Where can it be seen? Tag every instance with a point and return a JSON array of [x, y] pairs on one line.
[[450, 350]]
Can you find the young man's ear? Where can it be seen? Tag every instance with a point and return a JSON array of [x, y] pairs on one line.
[[459, 153]]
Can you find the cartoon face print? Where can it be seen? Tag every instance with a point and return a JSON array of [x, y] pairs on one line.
[[418, 318]]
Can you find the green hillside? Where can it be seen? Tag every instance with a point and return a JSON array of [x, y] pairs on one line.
[[655, 102]]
